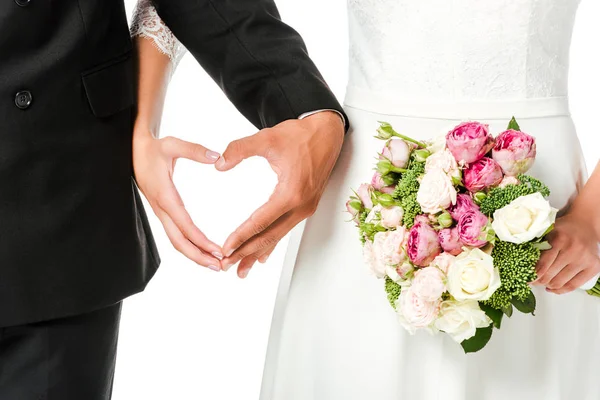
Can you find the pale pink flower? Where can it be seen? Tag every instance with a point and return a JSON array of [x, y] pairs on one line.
[[415, 312], [397, 151], [429, 283], [364, 194]]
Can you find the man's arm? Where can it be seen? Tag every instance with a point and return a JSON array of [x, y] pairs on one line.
[[259, 62]]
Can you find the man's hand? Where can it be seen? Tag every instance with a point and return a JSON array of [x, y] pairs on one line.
[[154, 162], [302, 153], [573, 259]]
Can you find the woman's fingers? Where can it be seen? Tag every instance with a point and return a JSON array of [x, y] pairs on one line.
[[177, 148], [184, 246], [173, 206]]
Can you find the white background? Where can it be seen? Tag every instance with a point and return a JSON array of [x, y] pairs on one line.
[[197, 334]]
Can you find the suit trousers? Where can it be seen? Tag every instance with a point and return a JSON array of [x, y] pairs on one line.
[[70, 358]]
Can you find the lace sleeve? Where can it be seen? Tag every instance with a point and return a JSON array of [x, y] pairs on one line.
[[147, 23]]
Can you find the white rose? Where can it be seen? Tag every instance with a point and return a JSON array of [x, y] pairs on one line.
[[436, 192], [415, 312], [524, 219], [429, 283], [445, 161], [374, 215], [460, 319], [472, 276], [443, 262], [437, 144], [391, 217]]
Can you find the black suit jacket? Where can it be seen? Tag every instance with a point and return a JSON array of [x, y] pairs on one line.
[[73, 233]]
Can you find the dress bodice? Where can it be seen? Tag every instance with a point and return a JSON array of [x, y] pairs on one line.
[[461, 50]]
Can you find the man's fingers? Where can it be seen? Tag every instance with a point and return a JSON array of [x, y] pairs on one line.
[[241, 149], [265, 256], [265, 240], [245, 266], [173, 206], [184, 246], [260, 220], [178, 148]]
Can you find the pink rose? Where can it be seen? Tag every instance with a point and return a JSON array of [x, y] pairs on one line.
[[514, 151], [450, 241], [364, 194], [443, 262], [508, 180], [415, 312], [429, 284], [379, 184], [469, 141], [397, 151], [464, 203], [423, 244], [482, 174], [472, 228]]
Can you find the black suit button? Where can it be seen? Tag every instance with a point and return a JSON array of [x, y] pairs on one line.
[[23, 3], [23, 99]]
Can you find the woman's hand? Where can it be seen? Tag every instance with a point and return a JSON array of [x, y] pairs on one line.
[[154, 162], [573, 259]]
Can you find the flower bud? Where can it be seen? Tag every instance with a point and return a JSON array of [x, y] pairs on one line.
[[421, 155], [514, 151], [385, 131], [445, 219], [386, 200], [479, 197]]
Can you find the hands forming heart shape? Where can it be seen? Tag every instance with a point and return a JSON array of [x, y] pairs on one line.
[[301, 152]]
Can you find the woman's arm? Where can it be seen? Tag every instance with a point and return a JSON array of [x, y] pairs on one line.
[[154, 158]]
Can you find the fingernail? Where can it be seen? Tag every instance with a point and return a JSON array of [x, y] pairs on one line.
[[243, 274], [217, 255], [214, 268], [264, 259], [229, 252], [220, 163], [212, 155]]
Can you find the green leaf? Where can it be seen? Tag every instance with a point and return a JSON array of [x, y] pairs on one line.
[[542, 245], [508, 311], [478, 342], [514, 125], [494, 314], [526, 306]]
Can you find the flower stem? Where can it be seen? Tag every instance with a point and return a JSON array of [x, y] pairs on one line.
[[595, 291], [409, 139]]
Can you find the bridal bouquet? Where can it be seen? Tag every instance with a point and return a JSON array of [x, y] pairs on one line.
[[455, 228]]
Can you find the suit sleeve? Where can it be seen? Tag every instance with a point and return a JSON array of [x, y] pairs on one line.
[[259, 62]]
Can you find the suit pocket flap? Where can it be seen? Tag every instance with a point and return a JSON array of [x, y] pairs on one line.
[[110, 87]]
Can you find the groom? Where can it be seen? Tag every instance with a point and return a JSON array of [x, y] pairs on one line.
[[74, 238]]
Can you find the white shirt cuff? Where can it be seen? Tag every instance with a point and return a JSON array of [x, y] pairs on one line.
[[308, 114]]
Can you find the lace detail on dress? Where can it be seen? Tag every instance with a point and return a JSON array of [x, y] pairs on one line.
[[461, 50], [147, 23]]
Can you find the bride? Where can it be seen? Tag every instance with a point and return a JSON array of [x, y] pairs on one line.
[[424, 66]]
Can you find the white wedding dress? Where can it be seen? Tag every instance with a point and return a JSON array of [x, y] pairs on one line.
[[425, 65]]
